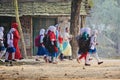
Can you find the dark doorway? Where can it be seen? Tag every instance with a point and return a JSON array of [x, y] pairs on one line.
[[6, 23]]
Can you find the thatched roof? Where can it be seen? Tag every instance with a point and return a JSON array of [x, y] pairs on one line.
[[38, 8]]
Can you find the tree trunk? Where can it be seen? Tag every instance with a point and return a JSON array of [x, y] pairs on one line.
[[74, 25], [19, 28]]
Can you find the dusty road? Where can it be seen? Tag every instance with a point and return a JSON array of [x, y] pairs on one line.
[[64, 70]]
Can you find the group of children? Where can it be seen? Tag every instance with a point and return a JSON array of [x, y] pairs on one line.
[[87, 45], [9, 44], [10, 48], [53, 44]]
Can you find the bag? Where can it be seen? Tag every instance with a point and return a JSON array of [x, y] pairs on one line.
[[46, 41], [84, 45], [37, 41], [5, 41]]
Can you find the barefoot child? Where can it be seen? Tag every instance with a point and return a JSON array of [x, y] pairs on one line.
[[10, 49]]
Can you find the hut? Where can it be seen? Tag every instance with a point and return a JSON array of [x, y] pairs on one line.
[[34, 15]]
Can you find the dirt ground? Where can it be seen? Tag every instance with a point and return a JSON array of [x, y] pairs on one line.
[[29, 69]]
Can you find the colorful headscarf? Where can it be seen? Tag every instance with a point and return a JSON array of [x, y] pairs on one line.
[[14, 25], [94, 32], [85, 36], [85, 29]]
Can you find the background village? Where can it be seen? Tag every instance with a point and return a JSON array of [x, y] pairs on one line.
[[37, 14]]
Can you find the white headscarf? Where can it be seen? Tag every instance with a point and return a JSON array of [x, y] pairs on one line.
[[10, 34], [57, 25], [1, 28], [94, 38], [42, 32], [94, 32], [10, 37], [12, 30], [66, 34], [46, 31], [52, 28], [85, 29]]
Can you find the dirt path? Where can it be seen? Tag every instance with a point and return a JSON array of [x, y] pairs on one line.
[[64, 70]]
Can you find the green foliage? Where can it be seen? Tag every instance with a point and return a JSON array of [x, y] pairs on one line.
[[105, 16], [90, 3]]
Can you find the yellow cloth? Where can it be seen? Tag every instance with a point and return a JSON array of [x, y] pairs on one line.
[[67, 51]]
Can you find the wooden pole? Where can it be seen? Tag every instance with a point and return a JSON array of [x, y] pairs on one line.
[[20, 29], [31, 38]]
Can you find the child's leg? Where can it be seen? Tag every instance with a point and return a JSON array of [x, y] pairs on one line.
[[61, 56], [50, 57], [13, 55], [96, 56], [37, 58], [54, 57], [6, 56], [87, 58], [2, 53], [82, 56]]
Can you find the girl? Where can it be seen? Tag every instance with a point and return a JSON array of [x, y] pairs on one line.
[[41, 49], [10, 49], [16, 40], [67, 51], [53, 50], [84, 43], [93, 43]]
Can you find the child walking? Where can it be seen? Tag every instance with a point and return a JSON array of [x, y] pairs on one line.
[[42, 51], [10, 49], [93, 43]]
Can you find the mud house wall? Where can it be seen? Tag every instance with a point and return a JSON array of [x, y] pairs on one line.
[[26, 27], [26, 22], [63, 23]]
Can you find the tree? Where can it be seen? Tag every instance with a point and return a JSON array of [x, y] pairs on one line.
[[19, 28], [74, 25], [105, 17]]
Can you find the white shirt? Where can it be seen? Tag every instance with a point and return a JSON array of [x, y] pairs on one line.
[[66, 36], [10, 40], [93, 42]]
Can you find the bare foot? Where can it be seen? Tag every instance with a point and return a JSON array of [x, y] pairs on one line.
[[78, 60]]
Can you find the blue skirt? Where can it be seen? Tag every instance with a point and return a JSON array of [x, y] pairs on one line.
[[42, 51], [92, 51], [11, 49], [2, 48]]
